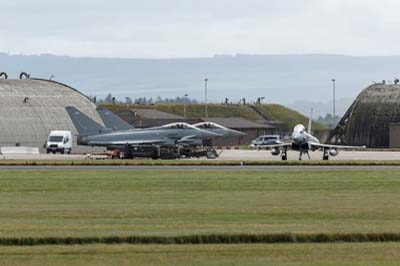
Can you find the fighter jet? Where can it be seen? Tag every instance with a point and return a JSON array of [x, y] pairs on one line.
[[303, 141], [93, 134], [221, 130], [114, 122]]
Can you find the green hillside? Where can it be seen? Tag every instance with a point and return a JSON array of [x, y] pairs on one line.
[[272, 111], [282, 113]]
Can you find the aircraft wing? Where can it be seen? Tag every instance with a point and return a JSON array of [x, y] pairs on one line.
[[129, 142], [340, 147], [190, 141]]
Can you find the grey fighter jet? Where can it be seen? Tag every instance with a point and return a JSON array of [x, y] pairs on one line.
[[93, 134], [303, 141]]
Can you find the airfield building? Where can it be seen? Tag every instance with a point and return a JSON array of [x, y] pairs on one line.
[[373, 118], [31, 108]]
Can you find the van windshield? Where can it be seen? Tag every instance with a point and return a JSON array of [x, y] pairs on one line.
[[56, 138]]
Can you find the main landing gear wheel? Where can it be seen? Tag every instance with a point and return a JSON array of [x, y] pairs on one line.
[[325, 157], [284, 155]]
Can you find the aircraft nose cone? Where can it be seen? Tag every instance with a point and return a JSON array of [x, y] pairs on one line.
[[299, 138]]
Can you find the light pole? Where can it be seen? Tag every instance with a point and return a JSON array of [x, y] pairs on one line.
[[184, 105], [334, 102], [205, 95]]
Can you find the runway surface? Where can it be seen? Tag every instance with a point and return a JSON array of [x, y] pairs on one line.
[[233, 155], [207, 168], [314, 156]]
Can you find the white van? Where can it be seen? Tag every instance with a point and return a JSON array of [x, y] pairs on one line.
[[59, 141]]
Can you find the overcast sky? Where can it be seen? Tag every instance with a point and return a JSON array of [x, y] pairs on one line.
[[199, 28]]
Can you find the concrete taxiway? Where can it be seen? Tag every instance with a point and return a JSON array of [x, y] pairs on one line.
[[317, 155], [239, 155], [202, 167]]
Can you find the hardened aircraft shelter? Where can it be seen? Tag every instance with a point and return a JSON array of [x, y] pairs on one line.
[[31, 108], [373, 119]]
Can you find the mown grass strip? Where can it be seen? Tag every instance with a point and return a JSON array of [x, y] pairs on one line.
[[207, 239], [194, 163]]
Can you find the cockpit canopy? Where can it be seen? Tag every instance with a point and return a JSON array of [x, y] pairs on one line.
[[209, 125], [299, 129], [178, 126]]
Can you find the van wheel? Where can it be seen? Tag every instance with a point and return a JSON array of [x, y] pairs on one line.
[[47, 151], [54, 152], [62, 151], [69, 151]]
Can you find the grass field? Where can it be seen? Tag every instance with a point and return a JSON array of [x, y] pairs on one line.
[[192, 110], [282, 113], [364, 254], [175, 203], [92, 203]]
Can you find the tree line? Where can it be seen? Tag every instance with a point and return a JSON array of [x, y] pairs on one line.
[[142, 100]]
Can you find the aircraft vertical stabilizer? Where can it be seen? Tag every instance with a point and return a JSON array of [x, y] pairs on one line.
[[113, 121], [84, 124]]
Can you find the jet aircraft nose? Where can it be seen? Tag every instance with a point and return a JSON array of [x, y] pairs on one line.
[[299, 138]]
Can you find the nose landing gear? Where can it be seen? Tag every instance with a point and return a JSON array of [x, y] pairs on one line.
[[301, 154]]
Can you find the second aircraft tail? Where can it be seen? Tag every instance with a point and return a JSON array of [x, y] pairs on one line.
[[112, 121]]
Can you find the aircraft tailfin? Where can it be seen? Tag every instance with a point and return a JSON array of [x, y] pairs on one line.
[[112, 121], [84, 124], [309, 129]]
